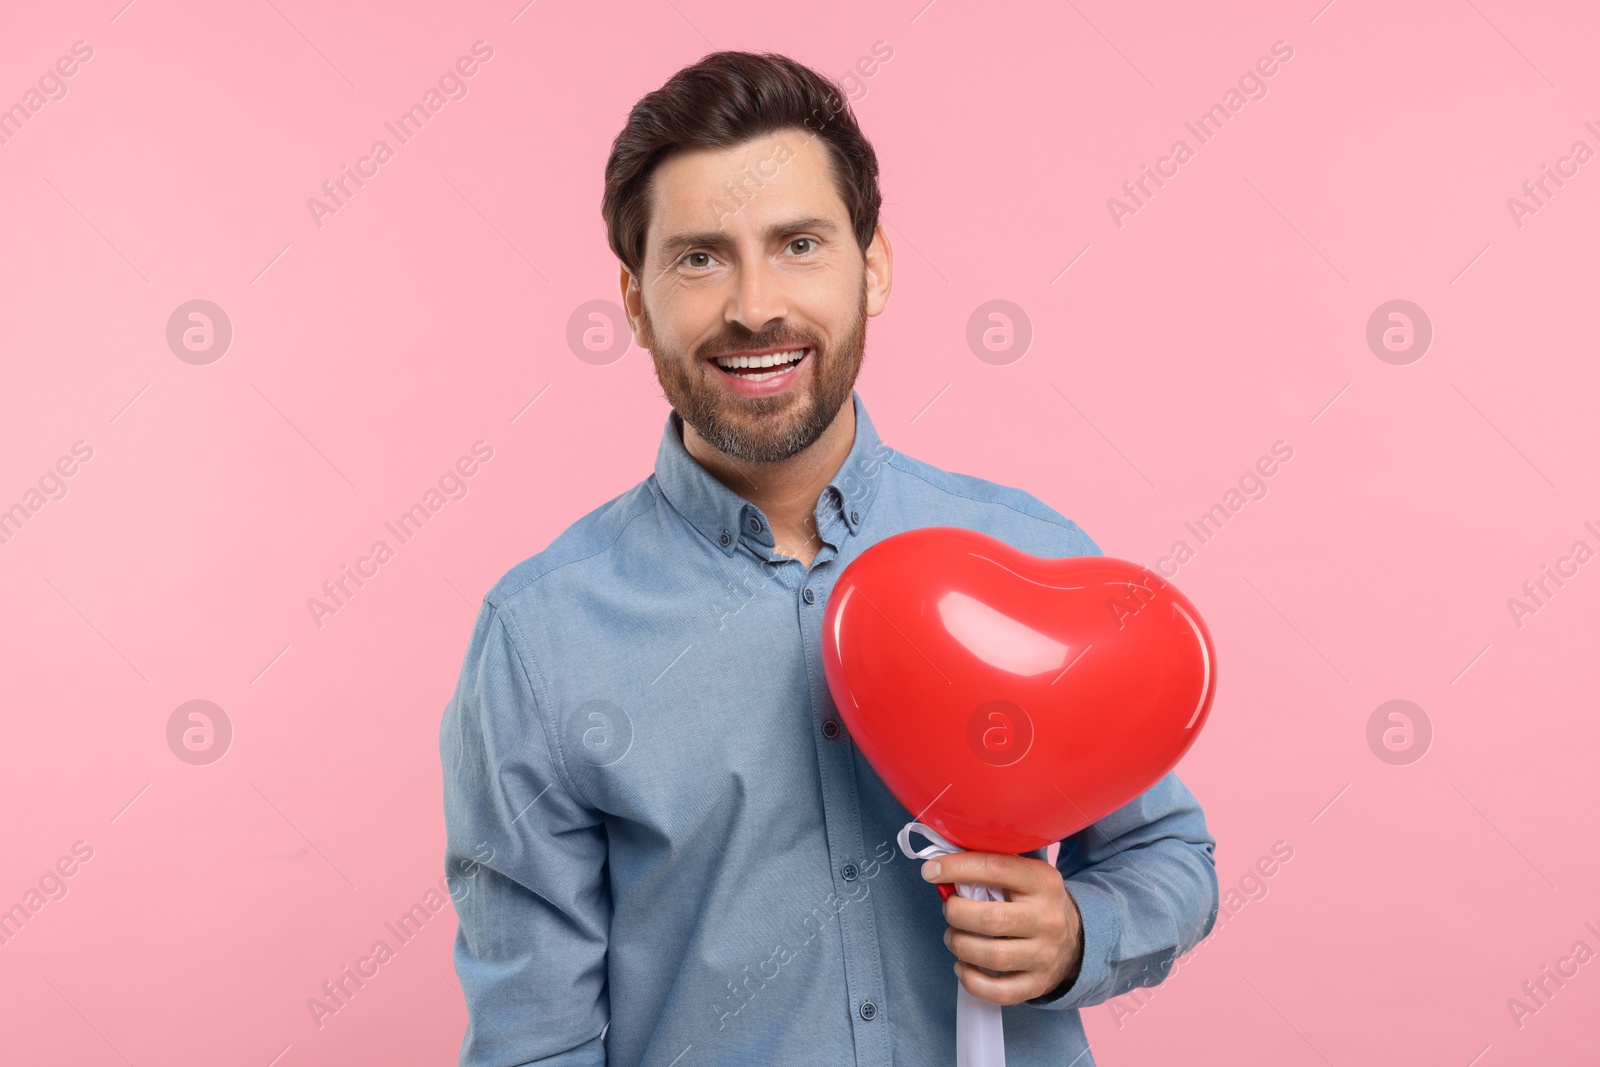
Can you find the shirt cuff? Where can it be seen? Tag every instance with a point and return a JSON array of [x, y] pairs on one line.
[[1099, 911]]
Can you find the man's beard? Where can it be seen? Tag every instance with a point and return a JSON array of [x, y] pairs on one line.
[[765, 429]]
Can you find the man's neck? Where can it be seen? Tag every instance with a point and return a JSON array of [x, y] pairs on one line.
[[787, 491]]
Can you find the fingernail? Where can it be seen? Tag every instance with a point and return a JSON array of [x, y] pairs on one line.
[[930, 870]]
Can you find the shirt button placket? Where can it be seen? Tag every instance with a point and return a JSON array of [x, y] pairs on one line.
[[863, 968]]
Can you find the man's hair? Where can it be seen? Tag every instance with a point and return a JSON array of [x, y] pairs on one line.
[[726, 99]]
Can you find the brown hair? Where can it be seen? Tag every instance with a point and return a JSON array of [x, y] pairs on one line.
[[723, 100]]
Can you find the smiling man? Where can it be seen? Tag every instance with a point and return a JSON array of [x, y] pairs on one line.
[[690, 861]]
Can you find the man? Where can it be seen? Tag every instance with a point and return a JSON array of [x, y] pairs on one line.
[[689, 861]]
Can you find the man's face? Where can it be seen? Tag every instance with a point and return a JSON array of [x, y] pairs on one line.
[[750, 257]]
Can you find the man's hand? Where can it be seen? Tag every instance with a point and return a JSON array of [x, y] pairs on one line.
[[1035, 937]]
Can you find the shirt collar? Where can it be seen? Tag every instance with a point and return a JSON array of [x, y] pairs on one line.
[[723, 517]]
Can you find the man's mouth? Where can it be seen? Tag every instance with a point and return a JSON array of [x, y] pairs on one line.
[[763, 367]]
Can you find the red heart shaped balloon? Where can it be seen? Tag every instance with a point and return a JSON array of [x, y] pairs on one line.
[[1009, 700]]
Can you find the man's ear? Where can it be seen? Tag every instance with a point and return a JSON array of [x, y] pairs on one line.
[[633, 305], [880, 271]]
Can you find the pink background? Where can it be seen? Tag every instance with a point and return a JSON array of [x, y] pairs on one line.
[[1227, 314]]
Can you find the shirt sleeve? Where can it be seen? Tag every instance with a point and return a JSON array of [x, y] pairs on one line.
[[1145, 882], [525, 864]]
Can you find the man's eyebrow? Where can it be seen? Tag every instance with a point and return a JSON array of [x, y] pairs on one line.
[[719, 238]]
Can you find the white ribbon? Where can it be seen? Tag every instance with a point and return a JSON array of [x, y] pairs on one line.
[[980, 1038]]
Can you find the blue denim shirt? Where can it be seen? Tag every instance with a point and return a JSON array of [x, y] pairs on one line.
[[665, 849]]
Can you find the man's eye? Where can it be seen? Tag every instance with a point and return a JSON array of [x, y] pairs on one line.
[[695, 256], [803, 241]]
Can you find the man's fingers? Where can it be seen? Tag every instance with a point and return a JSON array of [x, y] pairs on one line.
[[995, 953], [993, 918], [1032, 940], [1007, 989], [1018, 874]]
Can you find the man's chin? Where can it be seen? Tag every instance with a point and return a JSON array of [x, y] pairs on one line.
[[731, 405], [756, 437]]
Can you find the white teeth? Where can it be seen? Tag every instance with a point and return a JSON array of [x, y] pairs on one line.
[[771, 360], [764, 377]]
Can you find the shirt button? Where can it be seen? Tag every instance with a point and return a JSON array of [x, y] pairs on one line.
[[755, 524], [855, 516], [869, 1010], [830, 729], [726, 539], [810, 597], [849, 872]]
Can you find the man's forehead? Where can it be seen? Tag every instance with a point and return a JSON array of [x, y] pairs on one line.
[[752, 183]]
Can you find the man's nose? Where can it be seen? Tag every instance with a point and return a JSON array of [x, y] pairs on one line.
[[758, 297]]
